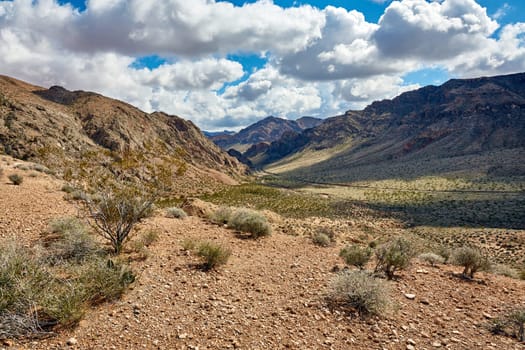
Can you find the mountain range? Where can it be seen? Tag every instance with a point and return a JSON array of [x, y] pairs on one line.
[[44, 125], [267, 130], [463, 125]]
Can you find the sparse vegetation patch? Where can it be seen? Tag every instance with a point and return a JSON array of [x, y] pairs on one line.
[[359, 291]]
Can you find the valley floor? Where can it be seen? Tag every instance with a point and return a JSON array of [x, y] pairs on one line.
[[268, 296]]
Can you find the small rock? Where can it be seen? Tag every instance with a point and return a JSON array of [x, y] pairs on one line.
[[436, 344], [182, 336], [425, 302], [411, 341], [488, 316], [411, 347], [71, 341], [410, 296], [7, 342]]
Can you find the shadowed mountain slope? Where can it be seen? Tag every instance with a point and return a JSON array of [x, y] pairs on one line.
[[38, 123], [459, 120]]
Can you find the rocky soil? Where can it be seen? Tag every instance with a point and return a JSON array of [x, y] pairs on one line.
[[270, 294]]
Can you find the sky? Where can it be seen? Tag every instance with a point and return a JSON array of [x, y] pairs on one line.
[[226, 64]]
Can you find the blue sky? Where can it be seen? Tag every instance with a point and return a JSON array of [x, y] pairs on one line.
[[226, 64]]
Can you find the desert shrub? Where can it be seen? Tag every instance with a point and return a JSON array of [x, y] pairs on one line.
[[41, 168], [32, 298], [471, 259], [74, 244], [213, 254], [104, 280], [149, 237], [504, 270], [67, 188], [62, 226], [443, 251], [114, 215], [222, 215], [431, 258], [16, 179], [189, 244], [359, 291], [511, 324], [246, 220], [356, 255], [394, 255], [175, 212], [324, 236], [521, 274], [321, 239]]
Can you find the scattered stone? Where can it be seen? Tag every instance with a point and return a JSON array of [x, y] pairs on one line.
[[488, 316], [411, 341], [411, 347], [410, 296], [436, 344], [182, 336], [71, 341]]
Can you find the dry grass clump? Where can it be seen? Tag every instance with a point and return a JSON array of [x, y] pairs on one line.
[[511, 324], [69, 240], [222, 215], [394, 255], [16, 179], [40, 292], [359, 291], [472, 260], [175, 213], [213, 255], [356, 255], [432, 258], [505, 270], [324, 237], [250, 221]]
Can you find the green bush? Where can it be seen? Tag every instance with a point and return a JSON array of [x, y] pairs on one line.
[[246, 220], [432, 258], [16, 179], [359, 291], [213, 254], [176, 213], [394, 255], [356, 256], [472, 260], [67, 188]]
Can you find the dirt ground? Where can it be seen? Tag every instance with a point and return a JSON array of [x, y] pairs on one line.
[[270, 294]]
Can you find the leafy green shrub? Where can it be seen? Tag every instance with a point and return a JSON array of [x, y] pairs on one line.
[[222, 215], [359, 291], [246, 220], [321, 239], [432, 258], [213, 254], [176, 213], [471, 259], [16, 179], [356, 255], [394, 255]]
